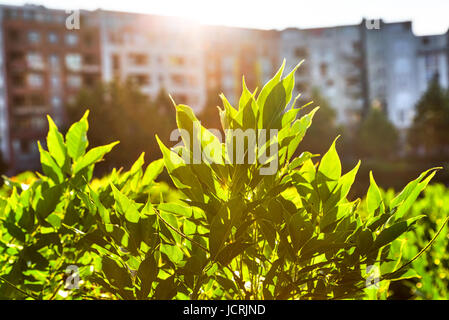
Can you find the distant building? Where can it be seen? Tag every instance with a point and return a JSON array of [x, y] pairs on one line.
[[433, 60], [333, 65], [44, 64], [374, 62], [231, 53], [155, 52], [392, 69]]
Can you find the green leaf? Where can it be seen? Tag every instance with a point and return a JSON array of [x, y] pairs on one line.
[[55, 144], [264, 94], [365, 241], [92, 156], [407, 197], [147, 273], [374, 197], [221, 225], [54, 220], [125, 206], [329, 172], [49, 165], [50, 199], [176, 209], [153, 170], [115, 273], [76, 138], [389, 234]]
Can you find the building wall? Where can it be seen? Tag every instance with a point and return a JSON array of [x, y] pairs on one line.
[[333, 60], [392, 68], [432, 60], [156, 52], [231, 53], [355, 67]]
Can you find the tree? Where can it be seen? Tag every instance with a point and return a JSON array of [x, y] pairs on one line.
[[430, 129], [209, 116], [164, 108], [324, 129], [377, 136], [120, 111]]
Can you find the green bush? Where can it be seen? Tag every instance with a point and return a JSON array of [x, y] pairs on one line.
[[229, 231], [433, 268]]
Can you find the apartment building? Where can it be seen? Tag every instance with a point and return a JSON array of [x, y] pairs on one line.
[[392, 68], [155, 52], [357, 66], [433, 60], [230, 53], [44, 66], [333, 65]]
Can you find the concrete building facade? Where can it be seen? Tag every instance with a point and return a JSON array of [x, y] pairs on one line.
[[156, 52]]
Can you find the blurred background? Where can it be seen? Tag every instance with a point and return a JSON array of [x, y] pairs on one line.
[[378, 71]]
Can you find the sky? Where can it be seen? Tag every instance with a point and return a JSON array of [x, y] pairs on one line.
[[428, 16]]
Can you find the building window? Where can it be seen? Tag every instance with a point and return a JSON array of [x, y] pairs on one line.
[[35, 80], [177, 61], [37, 100], [89, 40], [140, 79], [18, 80], [56, 102], [115, 62], [193, 81], [323, 69], [25, 146], [38, 123], [52, 37], [11, 14], [73, 62], [178, 79], [71, 39], [34, 37], [300, 53], [55, 81], [18, 101], [28, 15], [35, 61], [138, 59], [90, 59], [74, 81], [54, 61]]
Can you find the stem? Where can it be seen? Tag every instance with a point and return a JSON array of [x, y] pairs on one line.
[[179, 232]]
